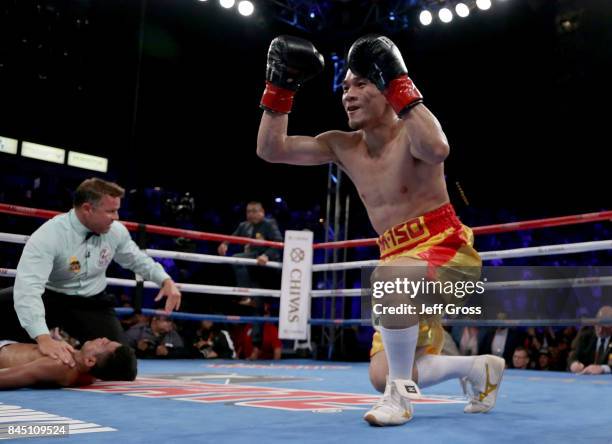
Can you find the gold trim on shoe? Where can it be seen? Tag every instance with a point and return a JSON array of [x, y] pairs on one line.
[[489, 388]]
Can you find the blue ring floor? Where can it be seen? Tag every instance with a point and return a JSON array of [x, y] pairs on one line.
[[302, 401]]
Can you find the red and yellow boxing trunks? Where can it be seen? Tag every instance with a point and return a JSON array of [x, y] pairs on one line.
[[440, 239]]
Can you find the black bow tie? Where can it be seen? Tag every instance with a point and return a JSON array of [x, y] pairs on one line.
[[90, 234]]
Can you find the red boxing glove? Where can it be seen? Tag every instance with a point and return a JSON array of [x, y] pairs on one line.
[[291, 62], [277, 99], [376, 58], [402, 94]]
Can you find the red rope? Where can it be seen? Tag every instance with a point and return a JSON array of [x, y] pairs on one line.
[[200, 235], [156, 229]]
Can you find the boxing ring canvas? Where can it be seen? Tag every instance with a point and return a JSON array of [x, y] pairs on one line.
[[306, 401]]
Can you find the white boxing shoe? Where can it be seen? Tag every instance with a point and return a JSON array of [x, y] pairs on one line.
[[482, 384], [394, 407]]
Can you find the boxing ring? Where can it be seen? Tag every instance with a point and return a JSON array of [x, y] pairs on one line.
[[306, 400]]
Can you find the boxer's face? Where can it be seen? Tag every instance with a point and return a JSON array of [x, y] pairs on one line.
[[363, 102], [99, 347], [99, 217]]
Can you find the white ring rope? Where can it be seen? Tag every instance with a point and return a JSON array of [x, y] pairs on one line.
[[204, 289], [215, 289], [337, 292], [603, 281], [546, 250], [8, 272], [188, 288], [14, 238], [208, 258], [338, 266], [189, 257], [579, 247]]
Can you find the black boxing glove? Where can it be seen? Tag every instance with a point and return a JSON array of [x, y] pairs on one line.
[[291, 62], [376, 58]]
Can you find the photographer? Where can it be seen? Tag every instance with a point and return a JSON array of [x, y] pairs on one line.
[[213, 342], [157, 339]]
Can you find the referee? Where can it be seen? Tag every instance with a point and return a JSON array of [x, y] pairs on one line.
[[61, 276]]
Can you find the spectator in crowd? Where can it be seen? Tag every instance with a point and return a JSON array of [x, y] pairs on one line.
[[539, 338], [568, 334], [468, 339], [520, 358], [157, 339], [501, 342], [135, 318], [560, 353], [271, 345], [213, 342], [592, 349], [544, 359], [257, 226]]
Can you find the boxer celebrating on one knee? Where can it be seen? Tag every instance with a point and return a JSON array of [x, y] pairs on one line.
[[395, 157]]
